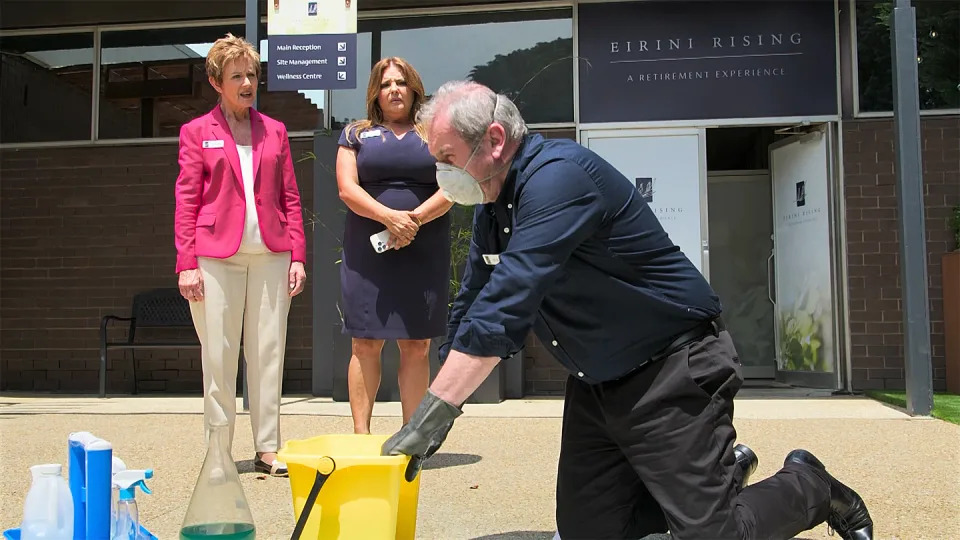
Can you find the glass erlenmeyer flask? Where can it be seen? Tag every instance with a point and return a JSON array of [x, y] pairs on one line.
[[218, 508]]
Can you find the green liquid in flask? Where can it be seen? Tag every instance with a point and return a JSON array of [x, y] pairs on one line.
[[219, 531]]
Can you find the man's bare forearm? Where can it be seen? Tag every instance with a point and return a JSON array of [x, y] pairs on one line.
[[460, 375]]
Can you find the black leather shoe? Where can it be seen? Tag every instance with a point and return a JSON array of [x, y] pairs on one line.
[[746, 460], [848, 513], [277, 468]]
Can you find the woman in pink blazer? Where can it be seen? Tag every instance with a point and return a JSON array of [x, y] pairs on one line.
[[240, 245]]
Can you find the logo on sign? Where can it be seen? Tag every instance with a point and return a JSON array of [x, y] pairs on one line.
[[808, 213], [312, 9], [645, 188]]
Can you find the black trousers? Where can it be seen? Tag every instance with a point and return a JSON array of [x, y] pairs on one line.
[[654, 451]]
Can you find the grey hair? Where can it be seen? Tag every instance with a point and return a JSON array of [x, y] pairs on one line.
[[472, 107]]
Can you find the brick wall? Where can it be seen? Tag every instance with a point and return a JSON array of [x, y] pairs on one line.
[[873, 247], [81, 231]]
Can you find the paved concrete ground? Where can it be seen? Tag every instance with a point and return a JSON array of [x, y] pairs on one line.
[[498, 463]]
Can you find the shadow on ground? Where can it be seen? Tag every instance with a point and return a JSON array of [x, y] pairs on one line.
[[547, 535], [437, 461], [441, 461], [518, 535]]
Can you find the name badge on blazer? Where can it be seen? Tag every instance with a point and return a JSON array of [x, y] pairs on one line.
[[491, 258], [213, 144], [371, 133]]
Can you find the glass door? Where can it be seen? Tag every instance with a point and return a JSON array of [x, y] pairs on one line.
[[806, 306], [668, 167], [741, 244]]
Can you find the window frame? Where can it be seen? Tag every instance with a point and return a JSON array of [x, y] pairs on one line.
[[97, 30], [855, 66]]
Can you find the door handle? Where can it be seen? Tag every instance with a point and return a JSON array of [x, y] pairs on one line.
[[769, 280], [705, 259], [706, 263]]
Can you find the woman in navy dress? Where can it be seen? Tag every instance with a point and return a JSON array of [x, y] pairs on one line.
[[388, 180]]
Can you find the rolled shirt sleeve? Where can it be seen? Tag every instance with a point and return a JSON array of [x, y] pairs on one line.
[[557, 209]]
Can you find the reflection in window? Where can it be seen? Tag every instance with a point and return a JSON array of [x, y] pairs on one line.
[[350, 105], [526, 55], [46, 86], [527, 60], [154, 81], [559, 133], [938, 54]]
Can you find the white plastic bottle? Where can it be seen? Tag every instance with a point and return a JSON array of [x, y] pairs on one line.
[[48, 510]]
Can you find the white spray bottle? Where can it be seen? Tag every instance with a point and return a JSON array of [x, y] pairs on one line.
[[128, 518]]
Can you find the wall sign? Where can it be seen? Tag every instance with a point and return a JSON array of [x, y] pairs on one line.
[[680, 60], [312, 44]]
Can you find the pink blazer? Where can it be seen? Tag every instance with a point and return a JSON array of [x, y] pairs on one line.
[[210, 204]]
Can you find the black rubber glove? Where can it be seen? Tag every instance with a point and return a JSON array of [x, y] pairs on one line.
[[424, 434]]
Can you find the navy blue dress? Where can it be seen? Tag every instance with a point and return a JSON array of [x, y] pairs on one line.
[[398, 294]]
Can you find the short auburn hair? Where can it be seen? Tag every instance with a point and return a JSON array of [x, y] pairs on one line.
[[230, 48]]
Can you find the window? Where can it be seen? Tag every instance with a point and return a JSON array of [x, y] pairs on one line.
[[349, 105], [154, 81], [938, 54], [527, 55], [46, 84]]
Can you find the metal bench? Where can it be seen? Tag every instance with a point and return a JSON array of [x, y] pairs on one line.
[[157, 308]]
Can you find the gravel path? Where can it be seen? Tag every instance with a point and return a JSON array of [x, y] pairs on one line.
[[501, 470]]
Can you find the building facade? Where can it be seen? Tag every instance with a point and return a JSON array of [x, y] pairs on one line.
[[763, 137]]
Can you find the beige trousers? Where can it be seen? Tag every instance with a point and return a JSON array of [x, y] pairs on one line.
[[245, 294]]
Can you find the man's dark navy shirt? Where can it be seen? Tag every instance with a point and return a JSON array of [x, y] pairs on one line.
[[583, 261]]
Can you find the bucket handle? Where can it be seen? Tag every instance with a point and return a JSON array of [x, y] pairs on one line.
[[312, 497]]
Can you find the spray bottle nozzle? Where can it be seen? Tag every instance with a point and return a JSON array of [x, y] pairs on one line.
[[128, 481]]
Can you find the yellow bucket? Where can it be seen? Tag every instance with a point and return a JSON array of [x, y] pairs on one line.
[[361, 495]]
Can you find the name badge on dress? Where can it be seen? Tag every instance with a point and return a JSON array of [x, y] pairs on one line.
[[371, 133], [213, 144], [491, 258]]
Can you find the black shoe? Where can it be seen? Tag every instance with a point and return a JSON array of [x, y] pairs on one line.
[[848, 513], [277, 468], [746, 460]]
